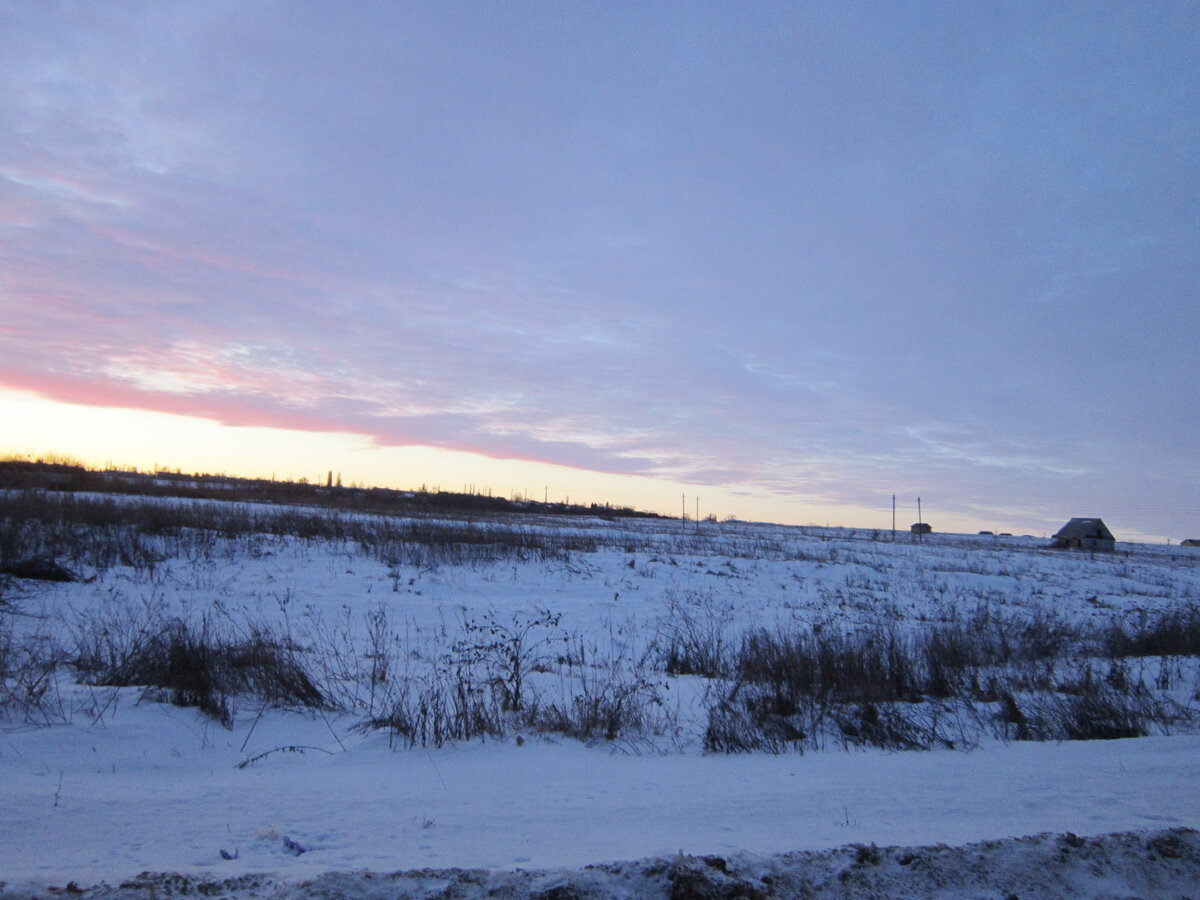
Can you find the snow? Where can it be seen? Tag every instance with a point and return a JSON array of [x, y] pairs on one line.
[[151, 790], [125, 785]]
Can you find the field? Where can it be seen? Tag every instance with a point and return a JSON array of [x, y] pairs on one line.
[[214, 690]]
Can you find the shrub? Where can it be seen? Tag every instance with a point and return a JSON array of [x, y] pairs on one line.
[[445, 704], [888, 687], [357, 672], [508, 649], [1175, 632], [833, 667], [605, 695], [191, 665], [1094, 712], [734, 727], [693, 639], [29, 663]]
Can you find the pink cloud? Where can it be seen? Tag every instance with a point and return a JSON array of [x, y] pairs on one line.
[[746, 265]]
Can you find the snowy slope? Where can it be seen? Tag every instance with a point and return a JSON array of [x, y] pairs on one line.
[[120, 785]]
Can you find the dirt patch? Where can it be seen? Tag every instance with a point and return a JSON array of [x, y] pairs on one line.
[[1047, 866]]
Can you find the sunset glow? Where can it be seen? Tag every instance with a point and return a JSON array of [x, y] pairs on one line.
[[102, 437]]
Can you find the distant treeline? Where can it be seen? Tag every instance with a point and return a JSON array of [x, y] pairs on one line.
[[68, 478]]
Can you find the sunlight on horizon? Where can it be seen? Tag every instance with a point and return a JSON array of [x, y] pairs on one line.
[[100, 437]]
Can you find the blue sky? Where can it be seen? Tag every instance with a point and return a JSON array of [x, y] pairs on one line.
[[800, 257]]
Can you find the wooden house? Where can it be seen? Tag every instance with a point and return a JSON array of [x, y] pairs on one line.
[[1085, 534]]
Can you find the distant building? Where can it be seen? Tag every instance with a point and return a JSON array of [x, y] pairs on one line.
[[921, 528], [1085, 534], [1190, 542]]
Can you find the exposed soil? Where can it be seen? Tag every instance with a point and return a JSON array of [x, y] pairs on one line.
[[1150, 865]]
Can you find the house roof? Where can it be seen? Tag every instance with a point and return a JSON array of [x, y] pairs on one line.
[[1085, 528]]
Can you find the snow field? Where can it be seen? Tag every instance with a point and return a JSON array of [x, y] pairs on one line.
[[119, 784]]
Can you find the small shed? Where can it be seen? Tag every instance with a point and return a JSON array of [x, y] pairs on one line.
[[1190, 542], [921, 528], [1085, 534]]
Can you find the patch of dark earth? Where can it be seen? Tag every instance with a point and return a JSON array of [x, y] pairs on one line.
[[1157, 865]]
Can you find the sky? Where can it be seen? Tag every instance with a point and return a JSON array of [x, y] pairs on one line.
[[788, 258]]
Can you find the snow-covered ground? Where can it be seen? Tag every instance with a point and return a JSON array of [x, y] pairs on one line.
[[154, 789], [120, 785]]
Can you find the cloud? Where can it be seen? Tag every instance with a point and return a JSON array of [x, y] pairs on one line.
[[828, 254]]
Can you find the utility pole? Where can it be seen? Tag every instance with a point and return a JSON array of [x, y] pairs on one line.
[[697, 512], [920, 530], [893, 518], [683, 507]]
